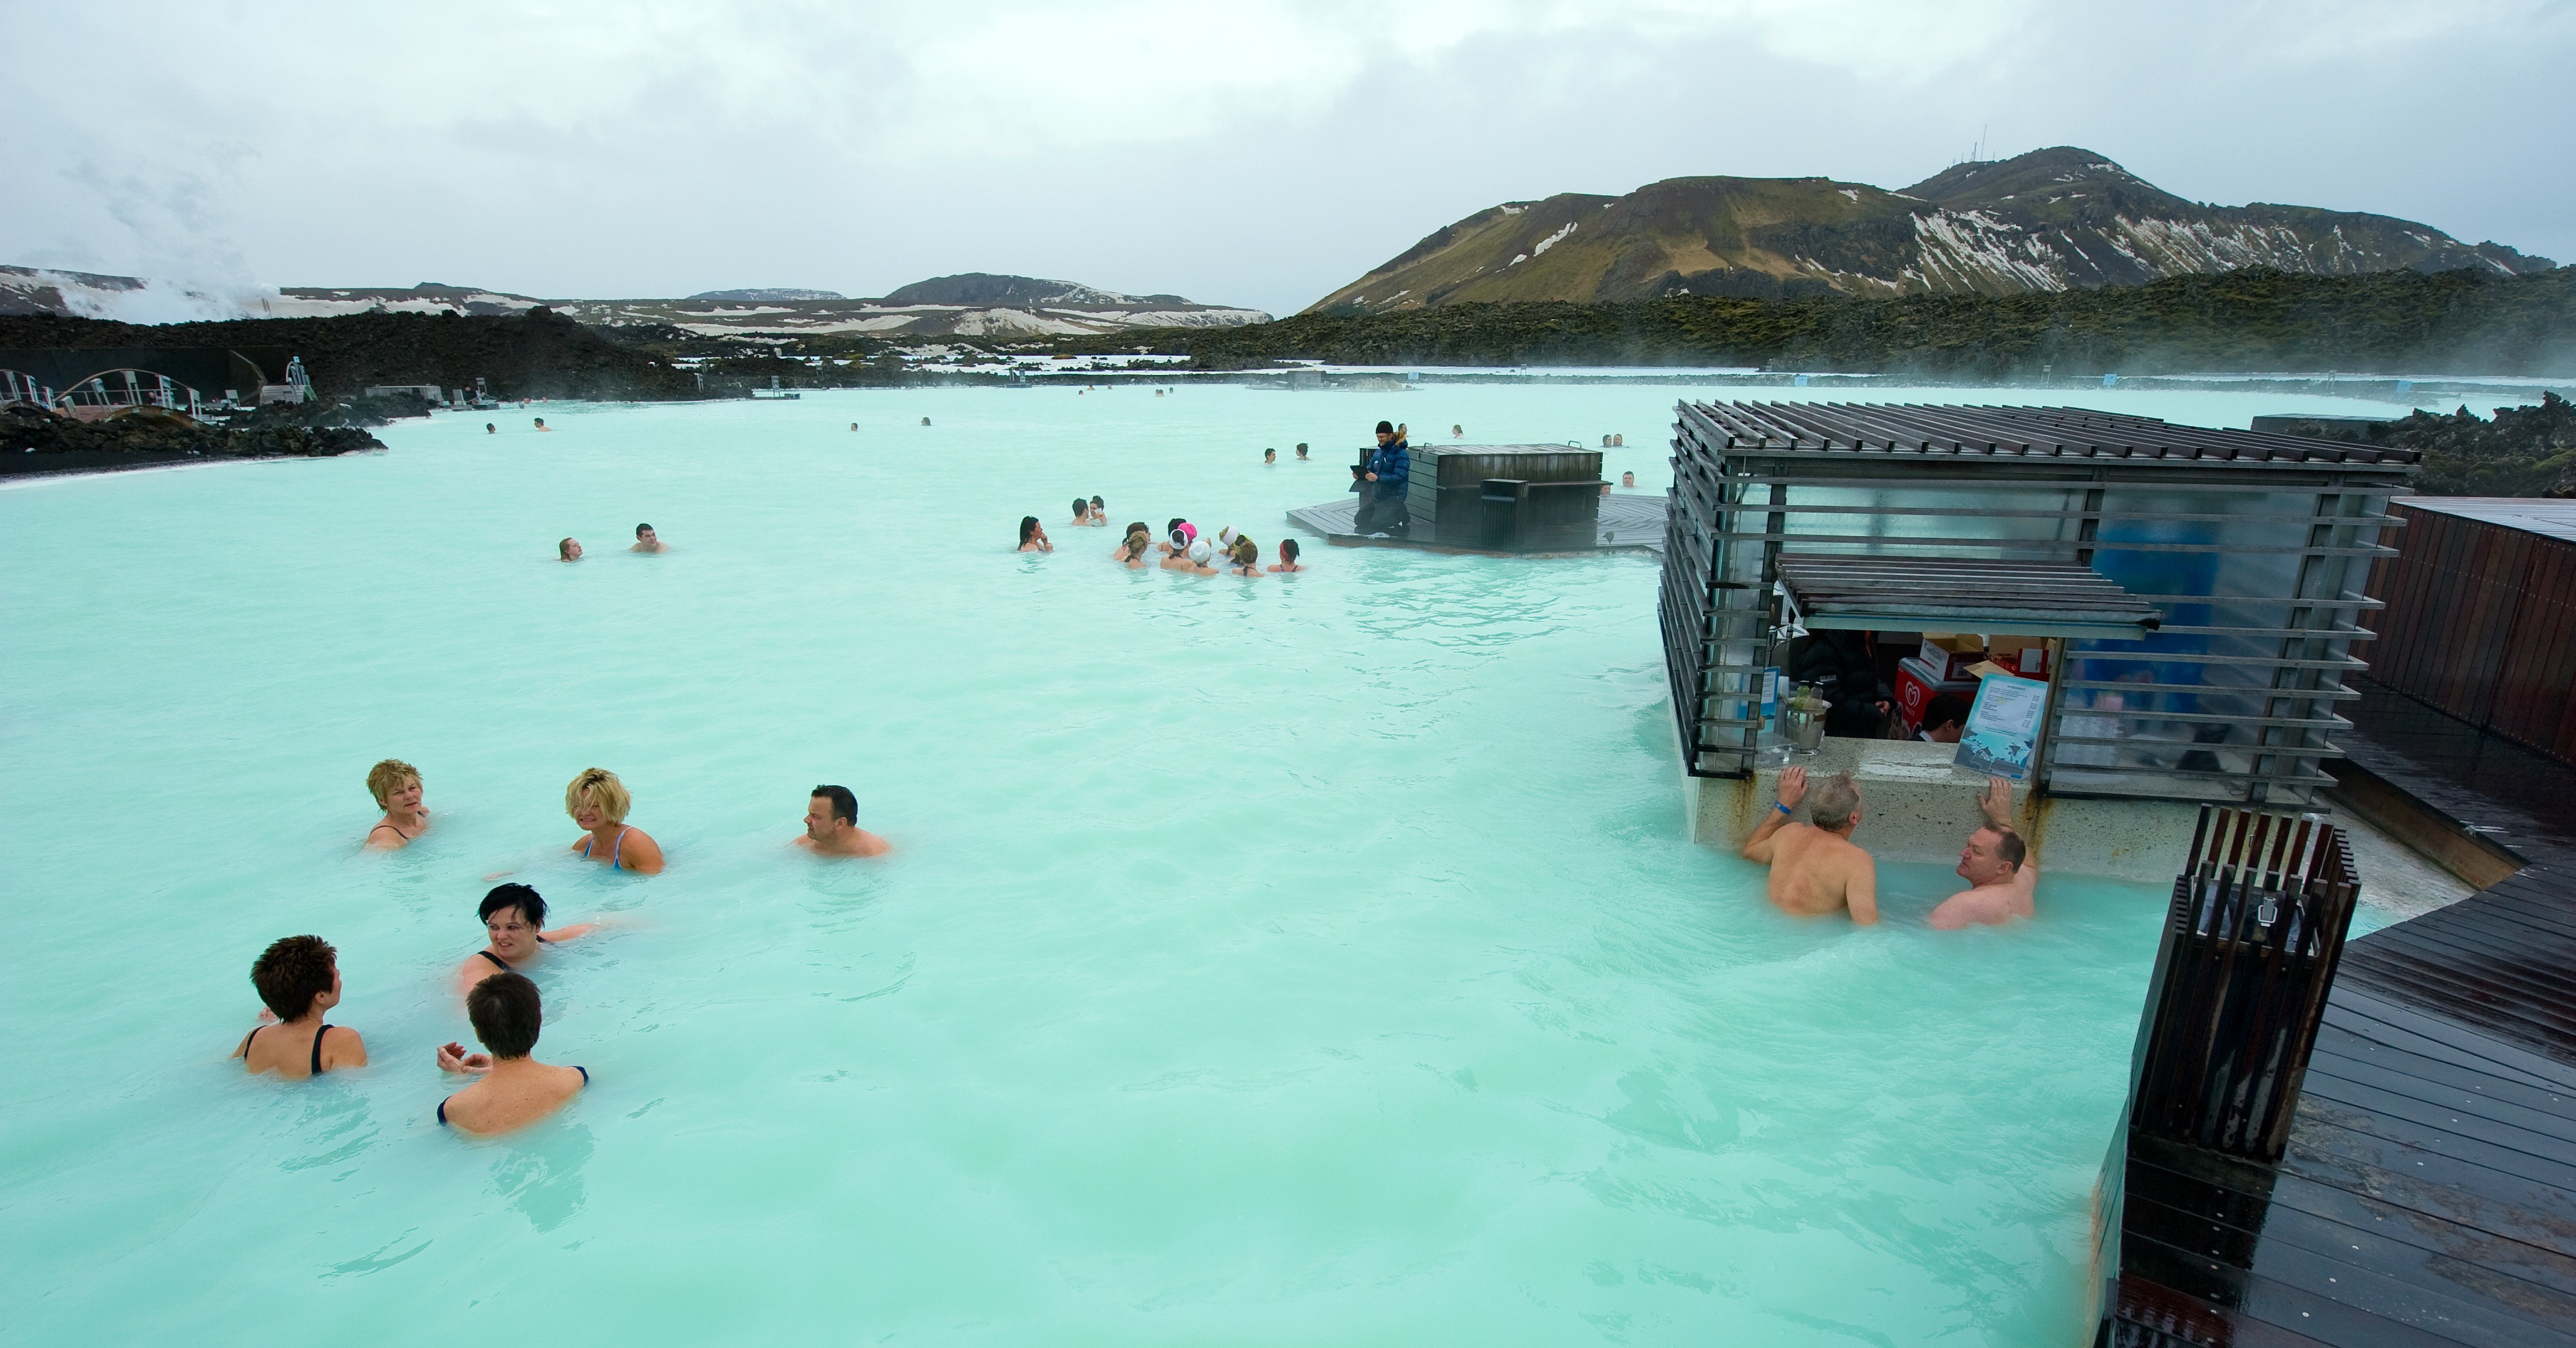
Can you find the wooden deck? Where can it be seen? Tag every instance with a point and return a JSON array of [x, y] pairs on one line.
[[2429, 1192], [1628, 520]]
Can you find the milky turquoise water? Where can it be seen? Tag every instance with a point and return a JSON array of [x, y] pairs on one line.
[[1275, 962]]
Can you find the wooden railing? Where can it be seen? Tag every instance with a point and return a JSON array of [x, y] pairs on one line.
[[2250, 946]]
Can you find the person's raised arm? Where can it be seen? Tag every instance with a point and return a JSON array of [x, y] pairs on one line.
[[1793, 788], [1860, 891], [1995, 803]]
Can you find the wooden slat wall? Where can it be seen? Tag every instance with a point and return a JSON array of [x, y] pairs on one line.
[[2481, 623]]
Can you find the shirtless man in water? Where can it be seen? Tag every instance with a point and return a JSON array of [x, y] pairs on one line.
[[648, 541], [1996, 864], [832, 826], [1815, 869]]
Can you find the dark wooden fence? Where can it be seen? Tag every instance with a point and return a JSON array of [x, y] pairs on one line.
[[2250, 947], [2481, 624]]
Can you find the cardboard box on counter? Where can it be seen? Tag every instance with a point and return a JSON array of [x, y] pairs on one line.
[[2026, 656], [1948, 654]]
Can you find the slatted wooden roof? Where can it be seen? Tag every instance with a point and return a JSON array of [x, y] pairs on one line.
[[1919, 429], [2040, 599]]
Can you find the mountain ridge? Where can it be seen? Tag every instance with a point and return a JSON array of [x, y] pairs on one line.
[[1017, 307], [2050, 220]]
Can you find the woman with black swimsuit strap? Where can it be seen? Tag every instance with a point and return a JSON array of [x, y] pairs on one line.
[[513, 916], [396, 786], [515, 1088], [299, 979]]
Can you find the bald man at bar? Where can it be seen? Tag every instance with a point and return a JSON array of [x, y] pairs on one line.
[[1815, 868]]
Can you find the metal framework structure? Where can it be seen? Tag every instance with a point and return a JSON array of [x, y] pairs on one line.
[[2250, 549]]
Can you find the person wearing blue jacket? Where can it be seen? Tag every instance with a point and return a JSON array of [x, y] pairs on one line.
[[1382, 510]]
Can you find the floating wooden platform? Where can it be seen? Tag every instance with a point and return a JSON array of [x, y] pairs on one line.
[[2428, 1196], [1629, 520]]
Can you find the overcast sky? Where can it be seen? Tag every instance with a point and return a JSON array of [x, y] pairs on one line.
[[1244, 153]]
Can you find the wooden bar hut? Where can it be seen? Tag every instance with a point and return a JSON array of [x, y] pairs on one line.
[[2248, 553]]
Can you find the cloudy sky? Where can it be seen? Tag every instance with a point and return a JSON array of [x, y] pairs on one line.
[[1245, 153]]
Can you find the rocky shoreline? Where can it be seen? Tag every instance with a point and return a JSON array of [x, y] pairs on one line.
[[39, 443]]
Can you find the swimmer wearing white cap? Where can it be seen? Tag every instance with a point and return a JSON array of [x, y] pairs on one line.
[[1195, 561]]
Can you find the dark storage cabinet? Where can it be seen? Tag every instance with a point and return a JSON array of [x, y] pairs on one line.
[[1505, 498]]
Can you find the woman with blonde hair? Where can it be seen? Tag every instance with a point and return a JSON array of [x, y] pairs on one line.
[[396, 786], [597, 801], [1246, 557], [1132, 552]]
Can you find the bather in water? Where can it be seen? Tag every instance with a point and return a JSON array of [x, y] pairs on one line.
[[396, 786], [513, 918], [598, 802], [515, 1089]]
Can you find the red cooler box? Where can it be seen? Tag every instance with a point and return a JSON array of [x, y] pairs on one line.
[[1917, 683]]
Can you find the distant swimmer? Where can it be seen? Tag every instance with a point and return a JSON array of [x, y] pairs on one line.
[[925, 421], [1287, 558], [1177, 536], [1100, 511], [396, 786], [1815, 869], [1270, 456], [854, 425], [1246, 558], [1140, 542], [490, 429], [1605, 442], [1033, 535], [832, 826], [1996, 864], [1619, 442], [513, 918], [569, 550], [1457, 432], [1195, 561], [1627, 479], [648, 541], [541, 424], [298, 978], [598, 802], [1081, 513], [515, 1089]]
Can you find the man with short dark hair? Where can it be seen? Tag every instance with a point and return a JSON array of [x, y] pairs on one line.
[[1996, 864], [1815, 867], [1945, 718], [648, 541], [832, 826]]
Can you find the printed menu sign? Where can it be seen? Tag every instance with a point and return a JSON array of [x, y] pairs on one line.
[[2002, 726]]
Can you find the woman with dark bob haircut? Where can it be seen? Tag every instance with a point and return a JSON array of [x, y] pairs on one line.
[[513, 915], [515, 1088]]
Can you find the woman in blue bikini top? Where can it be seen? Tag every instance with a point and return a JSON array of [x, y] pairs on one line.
[[597, 801]]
